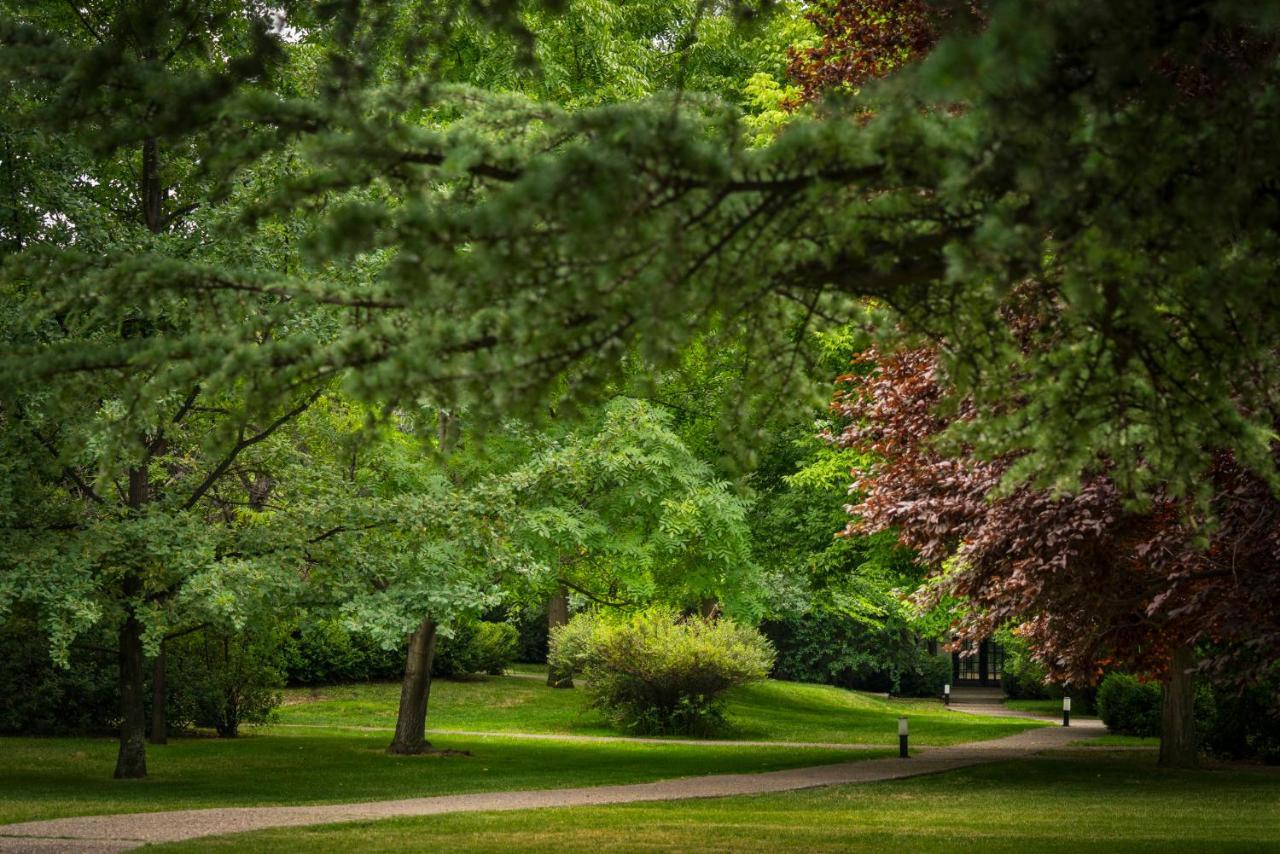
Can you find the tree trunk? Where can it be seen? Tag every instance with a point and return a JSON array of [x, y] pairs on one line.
[[159, 699], [558, 615], [709, 607], [1178, 747], [131, 762], [411, 722]]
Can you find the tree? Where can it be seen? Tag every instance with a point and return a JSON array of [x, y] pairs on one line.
[[120, 447], [621, 513], [1093, 579], [582, 235], [419, 534]]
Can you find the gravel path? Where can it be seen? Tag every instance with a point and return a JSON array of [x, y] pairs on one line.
[[110, 833], [607, 739]]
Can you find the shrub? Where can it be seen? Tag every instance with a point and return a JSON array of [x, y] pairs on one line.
[[836, 649], [1246, 723], [324, 652], [655, 672], [1129, 706], [925, 677], [1023, 678], [475, 647], [41, 698], [222, 679]]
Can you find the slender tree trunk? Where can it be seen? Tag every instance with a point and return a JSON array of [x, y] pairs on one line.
[[131, 762], [558, 615], [1178, 747], [159, 699], [411, 721]]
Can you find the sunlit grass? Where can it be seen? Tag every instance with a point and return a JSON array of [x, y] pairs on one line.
[[1071, 804], [765, 711]]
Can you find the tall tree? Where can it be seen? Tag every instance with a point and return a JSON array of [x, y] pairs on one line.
[[621, 513], [126, 421], [1092, 579]]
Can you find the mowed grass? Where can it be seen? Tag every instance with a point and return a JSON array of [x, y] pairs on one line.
[[49, 778], [1050, 708], [1061, 803], [765, 711], [329, 746]]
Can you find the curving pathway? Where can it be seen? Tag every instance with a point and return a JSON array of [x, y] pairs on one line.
[[111, 833], [604, 739]]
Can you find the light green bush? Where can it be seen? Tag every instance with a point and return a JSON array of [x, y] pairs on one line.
[[657, 672]]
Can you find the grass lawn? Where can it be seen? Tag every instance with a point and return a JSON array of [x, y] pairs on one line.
[[765, 711], [48, 778], [1111, 740], [1052, 708], [329, 760], [1062, 803]]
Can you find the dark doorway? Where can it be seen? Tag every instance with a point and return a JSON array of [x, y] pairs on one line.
[[978, 664]]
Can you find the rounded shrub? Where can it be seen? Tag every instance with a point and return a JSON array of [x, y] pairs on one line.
[[1129, 706], [658, 672]]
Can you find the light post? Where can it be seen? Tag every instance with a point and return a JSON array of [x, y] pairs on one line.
[[1066, 711], [946, 694], [902, 738]]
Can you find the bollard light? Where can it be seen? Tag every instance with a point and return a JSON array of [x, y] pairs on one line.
[[1066, 711], [946, 694], [902, 738]]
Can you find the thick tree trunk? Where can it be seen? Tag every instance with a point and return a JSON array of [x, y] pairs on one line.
[[411, 722], [558, 615], [709, 607], [131, 762], [1178, 747], [159, 699]]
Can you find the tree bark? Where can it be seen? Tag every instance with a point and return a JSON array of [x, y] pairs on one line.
[[131, 761], [415, 690], [558, 615], [159, 699], [1178, 745]]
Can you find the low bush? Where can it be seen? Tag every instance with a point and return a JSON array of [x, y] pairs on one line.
[[476, 647], [220, 680], [1023, 678], [1129, 706], [42, 698], [325, 652], [657, 672], [1246, 722], [834, 648]]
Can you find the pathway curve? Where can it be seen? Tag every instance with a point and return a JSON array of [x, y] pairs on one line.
[[606, 739], [111, 833]]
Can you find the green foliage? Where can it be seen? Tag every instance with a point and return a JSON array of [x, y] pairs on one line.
[[220, 680], [623, 513], [216, 680], [42, 698], [1023, 677], [656, 672], [1246, 723], [867, 655], [1129, 706], [475, 646], [324, 652]]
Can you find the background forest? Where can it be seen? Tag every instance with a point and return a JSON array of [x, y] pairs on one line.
[[352, 341]]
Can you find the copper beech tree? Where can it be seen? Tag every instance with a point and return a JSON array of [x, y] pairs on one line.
[[1163, 589]]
